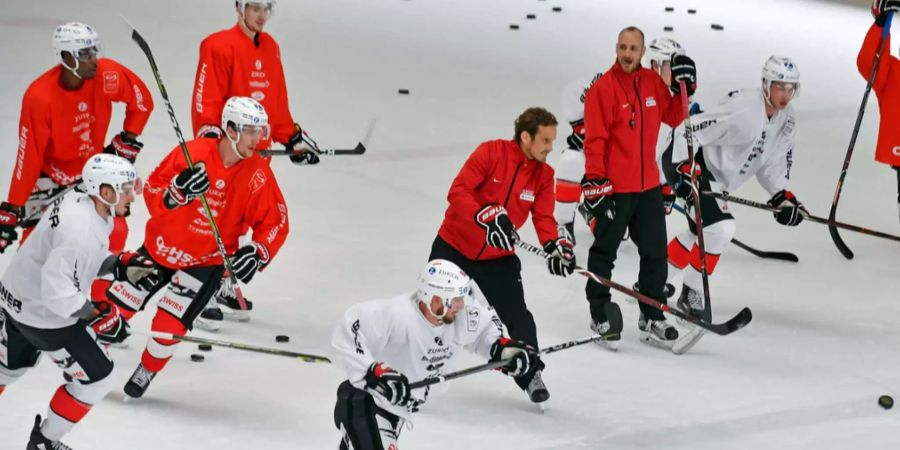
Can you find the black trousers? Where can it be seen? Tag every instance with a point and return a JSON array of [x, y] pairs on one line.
[[365, 426], [642, 213], [500, 280]]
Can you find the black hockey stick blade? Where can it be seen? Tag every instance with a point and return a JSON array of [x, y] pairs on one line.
[[838, 241], [781, 256], [358, 150]]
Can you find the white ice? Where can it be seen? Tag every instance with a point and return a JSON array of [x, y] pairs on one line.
[[805, 374]]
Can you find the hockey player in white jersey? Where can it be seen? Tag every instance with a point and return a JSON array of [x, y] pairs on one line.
[[749, 133], [383, 344], [46, 306]]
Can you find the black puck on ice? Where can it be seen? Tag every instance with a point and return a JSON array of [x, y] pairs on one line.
[[197, 358], [692, 11], [205, 347], [513, 27], [557, 9], [716, 26], [669, 9], [403, 91], [282, 338], [530, 16], [886, 402], [668, 29]]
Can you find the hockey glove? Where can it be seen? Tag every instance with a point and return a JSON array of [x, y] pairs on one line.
[[108, 323], [189, 184], [125, 145], [10, 215], [790, 210], [136, 269], [304, 146], [668, 196], [683, 69], [388, 383], [499, 230], [523, 356], [562, 256], [249, 259], [598, 197], [684, 187], [576, 139], [210, 131], [881, 8]]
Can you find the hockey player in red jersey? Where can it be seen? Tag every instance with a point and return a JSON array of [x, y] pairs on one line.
[[242, 193], [64, 120], [886, 86]]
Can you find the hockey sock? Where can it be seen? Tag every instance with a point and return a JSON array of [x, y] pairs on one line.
[[159, 351]]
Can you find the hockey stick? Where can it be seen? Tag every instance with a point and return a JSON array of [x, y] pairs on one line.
[[806, 216], [305, 357], [497, 364], [139, 40], [358, 150], [781, 256], [740, 320], [841, 245]]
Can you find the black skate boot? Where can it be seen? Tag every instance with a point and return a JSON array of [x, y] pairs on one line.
[[610, 328], [536, 389], [658, 332], [37, 441], [139, 381]]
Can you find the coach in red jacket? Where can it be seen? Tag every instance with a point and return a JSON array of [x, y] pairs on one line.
[[500, 184], [886, 86], [622, 114]]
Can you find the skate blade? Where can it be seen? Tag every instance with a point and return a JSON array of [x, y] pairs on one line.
[[653, 342], [688, 342], [612, 346], [542, 407]]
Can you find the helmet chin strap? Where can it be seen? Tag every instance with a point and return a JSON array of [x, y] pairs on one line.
[[75, 69], [234, 144]]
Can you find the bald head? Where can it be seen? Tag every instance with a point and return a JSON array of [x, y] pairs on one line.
[[630, 49]]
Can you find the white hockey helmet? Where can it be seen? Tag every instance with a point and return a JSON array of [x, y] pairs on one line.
[[268, 4], [780, 69], [445, 280], [78, 39], [245, 114], [661, 51], [114, 171]]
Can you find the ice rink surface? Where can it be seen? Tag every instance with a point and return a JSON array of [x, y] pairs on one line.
[[805, 374]]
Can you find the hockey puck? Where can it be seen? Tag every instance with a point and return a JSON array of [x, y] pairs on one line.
[[282, 338], [669, 9], [557, 9], [692, 11], [403, 91], [716, 26], [668, 29], [886, 402], [531, 16], [513, 27], [197, 358], [205, 347]]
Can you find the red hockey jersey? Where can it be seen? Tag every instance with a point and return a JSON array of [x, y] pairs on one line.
[[887, 88]]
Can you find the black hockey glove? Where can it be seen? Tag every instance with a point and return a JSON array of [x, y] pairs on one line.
[[125, 145], [248, 260], [189, 184], [10, 215], [598, 197], [881, 8], [136, 269], [108, 323], [683, 184], [523, 356], [499, 230], [668, 196], [562, 256], [576, 139], [683, 68], [790, 211], [388, 383], [305, 147]]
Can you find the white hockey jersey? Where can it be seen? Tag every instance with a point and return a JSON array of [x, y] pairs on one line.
[[740, 141], [395, 332], [51, 275], [573, 99]]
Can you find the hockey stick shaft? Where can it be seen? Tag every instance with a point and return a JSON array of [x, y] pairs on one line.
[[358, 150], [501, 363], [735, 323], [832, 215], [781, 256], [809, 217], [698, 217], [305, 357], [139, 40]]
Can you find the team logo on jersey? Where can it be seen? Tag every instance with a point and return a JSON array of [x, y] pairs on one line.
[[220, 184], [438, 341], [110, 82], [82, 106], [257, 180], [650, 102], [258, 65], [473, 319], [527, 195], [258, 96]]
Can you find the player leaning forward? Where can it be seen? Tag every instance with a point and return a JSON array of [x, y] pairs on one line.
[[46, 307], [242, 193], [382, 344]]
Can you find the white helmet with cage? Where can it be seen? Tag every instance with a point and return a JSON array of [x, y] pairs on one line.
[[269, 5], [244, 114], [111, 170], [780, 69], [78, 39], [661, 51], [445, 280]]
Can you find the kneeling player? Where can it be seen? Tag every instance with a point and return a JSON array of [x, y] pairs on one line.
[[44, 296], [383, 342], [242, 192]]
